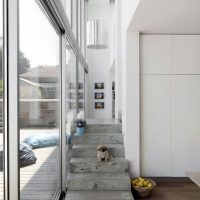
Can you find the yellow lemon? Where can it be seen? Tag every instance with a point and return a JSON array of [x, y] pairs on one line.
[[150, 185], [134, 182], [145, 183], [140, 184]]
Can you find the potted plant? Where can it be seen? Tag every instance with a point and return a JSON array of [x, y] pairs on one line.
[[80, 126]]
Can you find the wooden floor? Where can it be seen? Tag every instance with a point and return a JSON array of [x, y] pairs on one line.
[[175, 191], [38, 181]]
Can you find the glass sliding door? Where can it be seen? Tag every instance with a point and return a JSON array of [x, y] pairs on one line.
[[39, 101], [74, 18], [71, 88], [71, 97], [82, 26], [1, 106], [81, 90], [69, 10]]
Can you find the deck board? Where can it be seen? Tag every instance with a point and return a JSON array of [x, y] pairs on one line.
[[41, 180]]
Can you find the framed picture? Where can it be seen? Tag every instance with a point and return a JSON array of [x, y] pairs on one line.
[[99, 95], [99, 105], [99, 86]]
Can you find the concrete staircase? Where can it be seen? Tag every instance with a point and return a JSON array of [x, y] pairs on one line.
[[93, 180]]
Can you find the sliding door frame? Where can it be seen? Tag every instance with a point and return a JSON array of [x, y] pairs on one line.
[[55, 11], [63, 114], [11, 104]]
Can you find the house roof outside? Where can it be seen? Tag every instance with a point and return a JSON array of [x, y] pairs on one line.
[[34, 84], [42, 74]]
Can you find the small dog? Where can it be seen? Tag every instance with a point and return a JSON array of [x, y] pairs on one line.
[[103, 153]]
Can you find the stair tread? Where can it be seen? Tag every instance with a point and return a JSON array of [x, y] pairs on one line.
[[98, 133], [94, 160], [99, 195], [90, 150], [103, 126], [95, 146], [92, 165], [98, 138], [97, 176], [103, 121]]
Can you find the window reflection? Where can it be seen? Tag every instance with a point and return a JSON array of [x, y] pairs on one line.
[[39, 104]]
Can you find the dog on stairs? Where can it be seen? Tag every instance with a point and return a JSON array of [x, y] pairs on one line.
[[103, 153]]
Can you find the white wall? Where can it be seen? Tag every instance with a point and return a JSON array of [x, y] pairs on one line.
[[130, 85], [128, 67], [99, 65], [170, 104], [123, 16], [131, 97], [156, 91], [118, 60], [128, 10], [124, 11]]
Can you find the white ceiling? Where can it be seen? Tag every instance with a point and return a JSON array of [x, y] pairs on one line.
[[167, 16], [98, 2]]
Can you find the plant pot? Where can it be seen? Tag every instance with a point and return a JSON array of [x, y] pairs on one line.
[[80, 130]]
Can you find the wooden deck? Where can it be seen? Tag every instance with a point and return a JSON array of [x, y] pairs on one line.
[[41, 180]]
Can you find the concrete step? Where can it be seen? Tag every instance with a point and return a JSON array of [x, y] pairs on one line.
[[98, 181], [99, 195], [98, 138], [90, 151], [103, 128], [85, 165]]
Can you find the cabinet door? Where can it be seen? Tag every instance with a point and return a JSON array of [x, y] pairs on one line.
[[186, 59], [156, 54], [156, 95], [186, 119]]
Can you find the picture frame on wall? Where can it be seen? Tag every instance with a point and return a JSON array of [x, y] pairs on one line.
[[99, 86], [99, 105], [99, 95]]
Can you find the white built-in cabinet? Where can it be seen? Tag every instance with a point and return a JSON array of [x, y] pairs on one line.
[[170, 104]]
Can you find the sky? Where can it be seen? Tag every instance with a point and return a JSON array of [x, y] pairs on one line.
[[38, 39]]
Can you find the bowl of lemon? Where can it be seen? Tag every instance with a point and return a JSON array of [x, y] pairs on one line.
[[143, 187]]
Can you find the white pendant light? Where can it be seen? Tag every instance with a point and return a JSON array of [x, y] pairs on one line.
[[97, 34]]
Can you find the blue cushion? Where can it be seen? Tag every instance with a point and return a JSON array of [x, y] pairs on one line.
[[44, 140]]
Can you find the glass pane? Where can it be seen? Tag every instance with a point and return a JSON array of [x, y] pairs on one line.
[[82, 26], [81, 91], [74, 18], [39, 104], [1, 103], [71, 96], [71, 87], [69, 10]]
